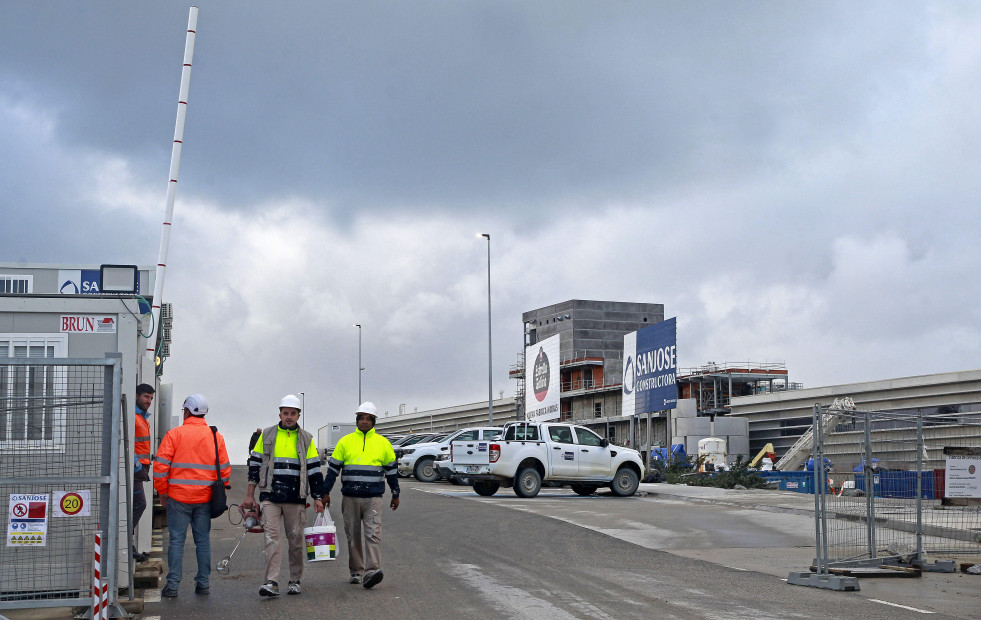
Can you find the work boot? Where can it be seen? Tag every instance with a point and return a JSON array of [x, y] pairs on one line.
[[354, 579], [270, 588], [372, 578], [294, 588], [169, 592], [202, 590]]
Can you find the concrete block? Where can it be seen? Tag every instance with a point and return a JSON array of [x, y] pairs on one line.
[[826, 582], [146, 579]]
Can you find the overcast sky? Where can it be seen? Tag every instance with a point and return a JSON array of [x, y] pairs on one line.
[[795, 181]]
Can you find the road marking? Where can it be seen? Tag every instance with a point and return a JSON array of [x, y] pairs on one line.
[[921, 611], [151, 596]]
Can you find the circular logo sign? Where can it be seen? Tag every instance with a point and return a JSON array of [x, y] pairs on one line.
[[971, 469], [71, 503], [19, 510], [628, 376], [541, 375]]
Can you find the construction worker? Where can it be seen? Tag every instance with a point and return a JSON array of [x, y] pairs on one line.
[[185, 472], [141, 473], [364, 460], [285, 465]]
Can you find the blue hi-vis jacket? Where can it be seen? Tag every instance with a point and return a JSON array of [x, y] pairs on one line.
[[364, 461]]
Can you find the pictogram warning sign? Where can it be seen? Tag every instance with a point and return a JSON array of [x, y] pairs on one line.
[[27, 522]]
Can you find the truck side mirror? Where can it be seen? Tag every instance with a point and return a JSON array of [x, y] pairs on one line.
[[604, 443]]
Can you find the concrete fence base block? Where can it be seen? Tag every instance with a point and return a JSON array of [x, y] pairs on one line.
[[826, 582]]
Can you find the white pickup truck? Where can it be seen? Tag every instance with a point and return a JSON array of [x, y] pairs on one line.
[[529, 453]]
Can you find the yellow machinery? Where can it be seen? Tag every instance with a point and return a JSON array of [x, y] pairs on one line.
[[766, 451]]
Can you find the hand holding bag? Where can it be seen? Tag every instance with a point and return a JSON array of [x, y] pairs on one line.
[[219, 503]]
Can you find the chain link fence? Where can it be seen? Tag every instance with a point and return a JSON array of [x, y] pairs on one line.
[[60, 434], [902, 487]]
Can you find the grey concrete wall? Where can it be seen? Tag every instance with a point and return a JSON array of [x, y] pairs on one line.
[[782, 417]]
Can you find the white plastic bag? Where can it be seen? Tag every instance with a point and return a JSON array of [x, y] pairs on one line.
[[321, 538]]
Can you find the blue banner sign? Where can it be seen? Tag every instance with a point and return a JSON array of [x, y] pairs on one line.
[[650, 365]]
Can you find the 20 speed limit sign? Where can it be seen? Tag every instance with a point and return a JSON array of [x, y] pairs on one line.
[[72, 503]]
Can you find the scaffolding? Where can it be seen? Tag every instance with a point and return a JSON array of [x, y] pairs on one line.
[[714, 385]]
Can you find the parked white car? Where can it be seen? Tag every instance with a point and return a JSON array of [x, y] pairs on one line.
[[419, 460]]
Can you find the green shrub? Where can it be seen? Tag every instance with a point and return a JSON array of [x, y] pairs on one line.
[[685, 471]]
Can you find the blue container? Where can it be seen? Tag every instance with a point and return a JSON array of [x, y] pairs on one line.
[[897, 484], [796, 481]]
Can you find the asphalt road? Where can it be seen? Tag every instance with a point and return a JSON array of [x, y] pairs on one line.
[[448, 553]]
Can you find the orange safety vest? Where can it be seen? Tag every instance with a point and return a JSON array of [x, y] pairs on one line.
[[142, 445], [185, 462]]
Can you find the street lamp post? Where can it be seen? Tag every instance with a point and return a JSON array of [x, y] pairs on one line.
[[303, 407], [360, 368], [490, 367]]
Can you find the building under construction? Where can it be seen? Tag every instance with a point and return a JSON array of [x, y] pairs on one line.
[[713, 386], [591, 360]]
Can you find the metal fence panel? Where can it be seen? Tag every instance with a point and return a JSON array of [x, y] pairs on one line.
[[885, 474], [60, 426]]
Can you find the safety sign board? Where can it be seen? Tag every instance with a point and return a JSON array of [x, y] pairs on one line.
[[71, 503], [27, 523], [963, 477]]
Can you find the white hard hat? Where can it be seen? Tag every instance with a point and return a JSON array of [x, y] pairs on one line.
[[367, 407], [290, 401], [196, 404]]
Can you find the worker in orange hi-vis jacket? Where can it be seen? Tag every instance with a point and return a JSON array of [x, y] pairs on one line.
[[183, 476]]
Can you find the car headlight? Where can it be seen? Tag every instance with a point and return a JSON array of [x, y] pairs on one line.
[[443, 457], [409, 451]]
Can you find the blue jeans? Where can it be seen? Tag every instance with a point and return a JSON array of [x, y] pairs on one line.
[[179, 516]]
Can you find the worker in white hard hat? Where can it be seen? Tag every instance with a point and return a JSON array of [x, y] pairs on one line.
[[364, 460], [285, 465], [184, 473]]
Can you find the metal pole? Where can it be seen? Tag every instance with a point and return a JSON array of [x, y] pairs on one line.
[[817, 506], [919, 485], [303, 407], [175, 164], [490, 367], [823, 488], [360, 368], [869, 487]]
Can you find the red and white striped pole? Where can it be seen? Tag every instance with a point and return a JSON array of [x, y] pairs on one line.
[[175, 164], [100, 591]]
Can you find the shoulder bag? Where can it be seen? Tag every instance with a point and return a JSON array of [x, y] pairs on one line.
[[219, 503]]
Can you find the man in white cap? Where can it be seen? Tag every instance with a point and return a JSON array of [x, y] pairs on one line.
[[285, 465], [364, 460], [183, 475]]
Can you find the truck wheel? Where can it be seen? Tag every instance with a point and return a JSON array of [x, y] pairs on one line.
[[625, 483], [583, 489], [486, 488], [527, 483], [425, 472]]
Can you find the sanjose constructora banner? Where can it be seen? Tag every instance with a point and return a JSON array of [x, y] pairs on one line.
[[650, 365], [542, 380]]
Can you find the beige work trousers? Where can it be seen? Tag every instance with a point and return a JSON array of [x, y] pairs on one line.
[[273, 518], [363, 527]]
